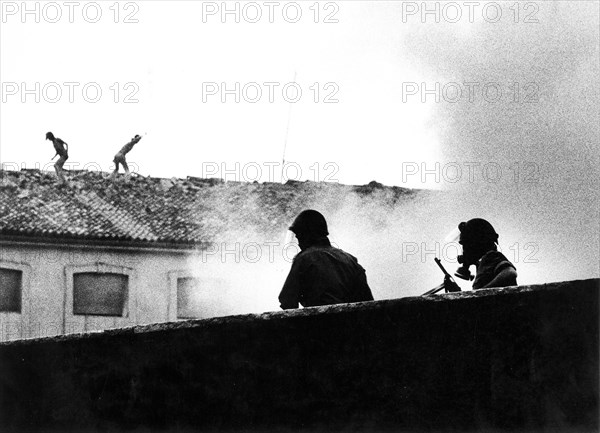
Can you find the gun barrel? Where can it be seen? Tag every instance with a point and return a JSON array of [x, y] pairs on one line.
[[453, 287], [439, 263], [434, 290]]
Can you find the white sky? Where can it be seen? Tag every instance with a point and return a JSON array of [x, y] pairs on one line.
[[171, 52]]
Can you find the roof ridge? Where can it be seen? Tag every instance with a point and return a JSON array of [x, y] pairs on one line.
[[174, 210], [193, 179]]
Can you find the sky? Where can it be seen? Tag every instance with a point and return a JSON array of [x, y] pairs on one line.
[[496, 104]]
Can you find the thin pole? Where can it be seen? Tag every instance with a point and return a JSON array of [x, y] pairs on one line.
[[287, 131]]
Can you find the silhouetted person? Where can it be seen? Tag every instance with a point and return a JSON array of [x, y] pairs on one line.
[[120, 156], [320, 273], [61, 149], [479, 243]]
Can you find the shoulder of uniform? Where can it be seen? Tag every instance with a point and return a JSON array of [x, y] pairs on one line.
[[498, 260], [492, 256], [300, 256], [310, 252], [345, 253]]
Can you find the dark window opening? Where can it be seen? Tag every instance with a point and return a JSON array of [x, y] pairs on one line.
[[11, 281], [189, 304], [100, 294]]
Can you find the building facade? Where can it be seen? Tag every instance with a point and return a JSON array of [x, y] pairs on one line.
[[52, 289], [97, 254]]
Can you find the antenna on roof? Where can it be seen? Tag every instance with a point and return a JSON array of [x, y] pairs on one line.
[[287, 131]]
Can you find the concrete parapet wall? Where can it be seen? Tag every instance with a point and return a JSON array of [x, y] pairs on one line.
[[521, 359]]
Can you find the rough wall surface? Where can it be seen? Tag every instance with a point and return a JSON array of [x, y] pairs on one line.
[[44, 310], [519, 359]]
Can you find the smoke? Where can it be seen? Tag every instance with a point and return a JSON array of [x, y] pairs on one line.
[[544, 203], [394, 236], [527, 163], [252, 250]]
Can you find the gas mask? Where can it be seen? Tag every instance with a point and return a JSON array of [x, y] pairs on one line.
[[463, 271], [476, 236]]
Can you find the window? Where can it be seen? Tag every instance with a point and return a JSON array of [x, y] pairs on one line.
[[10, 290], [189, 303], [100, 294], [195, 296]]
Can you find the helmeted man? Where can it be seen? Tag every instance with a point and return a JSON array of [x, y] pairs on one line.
[[62, 151], [479, 243], [321, 274]]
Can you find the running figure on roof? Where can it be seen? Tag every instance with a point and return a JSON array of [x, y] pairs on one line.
[[62, 150]]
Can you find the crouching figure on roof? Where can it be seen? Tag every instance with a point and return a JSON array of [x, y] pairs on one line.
[[321, 274], [120, 156]]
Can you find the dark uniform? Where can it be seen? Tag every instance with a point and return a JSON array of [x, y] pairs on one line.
[[324, 275], [479, 242], [490, 265]]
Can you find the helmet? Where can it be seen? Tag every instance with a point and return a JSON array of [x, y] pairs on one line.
[[49, 136], [477, 230], [310, 222]]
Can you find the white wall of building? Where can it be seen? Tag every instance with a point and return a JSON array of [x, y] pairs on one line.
[[46, 304]]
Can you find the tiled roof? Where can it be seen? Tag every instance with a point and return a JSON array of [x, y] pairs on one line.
[[155, 211]]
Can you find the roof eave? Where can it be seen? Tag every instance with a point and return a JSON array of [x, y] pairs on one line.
[[114, 243]]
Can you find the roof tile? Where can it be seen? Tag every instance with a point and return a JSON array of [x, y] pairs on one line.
[[151, 210]]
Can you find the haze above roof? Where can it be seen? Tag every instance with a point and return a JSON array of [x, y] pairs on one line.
[[151, 211]]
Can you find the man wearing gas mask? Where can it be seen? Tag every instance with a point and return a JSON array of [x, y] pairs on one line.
[[479, 243], [321, 274]]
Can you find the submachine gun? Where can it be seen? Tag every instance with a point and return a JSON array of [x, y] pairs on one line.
[[449, 285]]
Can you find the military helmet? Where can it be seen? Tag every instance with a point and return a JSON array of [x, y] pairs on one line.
[[49, 136], [477, 230], [311, 223]]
